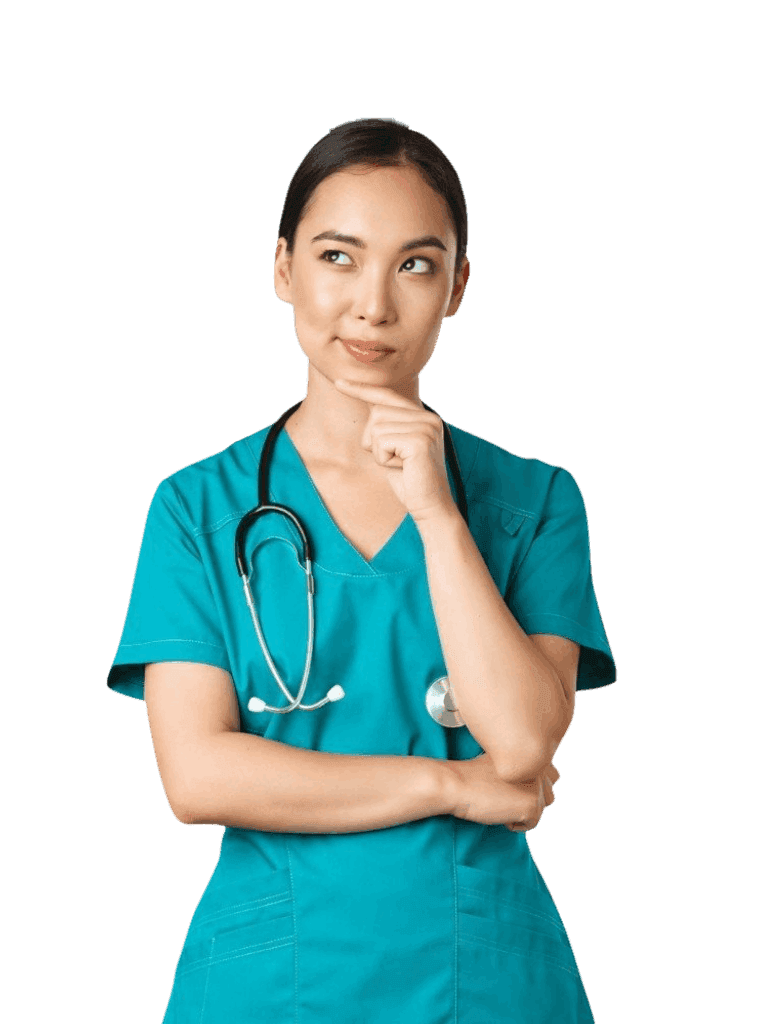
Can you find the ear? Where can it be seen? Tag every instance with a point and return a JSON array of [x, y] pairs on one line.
[[282, 273], [460, 284]]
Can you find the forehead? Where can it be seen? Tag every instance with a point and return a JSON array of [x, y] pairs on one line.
[[384, 202]]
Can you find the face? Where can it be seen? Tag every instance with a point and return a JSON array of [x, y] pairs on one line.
[[382, 275]]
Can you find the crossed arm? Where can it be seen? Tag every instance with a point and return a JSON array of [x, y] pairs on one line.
[[515, 692]]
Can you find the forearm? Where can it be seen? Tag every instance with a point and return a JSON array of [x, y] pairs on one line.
[[508, 695], [251, 782]]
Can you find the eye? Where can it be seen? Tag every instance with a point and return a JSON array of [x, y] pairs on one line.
[[327, 255], [429, 266]]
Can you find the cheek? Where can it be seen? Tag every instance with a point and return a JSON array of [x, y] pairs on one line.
[[314, 299], [430, 307]]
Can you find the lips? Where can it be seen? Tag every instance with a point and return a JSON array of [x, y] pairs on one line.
[[365, 346], [366, 355]]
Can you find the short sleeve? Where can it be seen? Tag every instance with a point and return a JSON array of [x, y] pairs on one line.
[[172, 614], [552, 590]]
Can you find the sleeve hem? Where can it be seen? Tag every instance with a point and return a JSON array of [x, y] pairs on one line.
[[596, 666], [560, 625], [127, 672]]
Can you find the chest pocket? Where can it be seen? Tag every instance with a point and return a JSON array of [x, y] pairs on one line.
[[502, 536], [511, 521]]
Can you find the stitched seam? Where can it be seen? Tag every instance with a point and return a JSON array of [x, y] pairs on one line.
[[554, 615], [484, 499], [520, 952], [488, 499], [175, 640], [206, 984], [231, 516], [195, 966], [456, 919], [210, 960], [249, 449], [252, 949], [240, 908], [371, 575], [316, 565], [294, 928], [214, 527], [511, 903], [183, 507], [332, 572], [541, 521]]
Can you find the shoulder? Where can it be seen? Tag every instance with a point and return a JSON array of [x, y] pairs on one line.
[[525, 487], [216, 488]]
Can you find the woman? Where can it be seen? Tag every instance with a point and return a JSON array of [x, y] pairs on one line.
[[374, 866]]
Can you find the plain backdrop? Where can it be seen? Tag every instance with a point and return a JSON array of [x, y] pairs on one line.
[[611, 159]]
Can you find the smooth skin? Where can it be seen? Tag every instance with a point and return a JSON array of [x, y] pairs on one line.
[[370, 292], [486, 791], [368, 283]]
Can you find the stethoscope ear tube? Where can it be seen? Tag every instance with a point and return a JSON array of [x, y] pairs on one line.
[[453, 462], [243, 528], [263, 500]]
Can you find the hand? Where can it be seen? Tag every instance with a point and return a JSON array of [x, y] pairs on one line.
[[484, 797], [408, 441], [545, 781]]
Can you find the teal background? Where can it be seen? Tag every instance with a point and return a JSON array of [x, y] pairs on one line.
[[611, 326]]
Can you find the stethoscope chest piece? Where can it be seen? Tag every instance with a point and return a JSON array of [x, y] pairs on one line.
[[440, 704]]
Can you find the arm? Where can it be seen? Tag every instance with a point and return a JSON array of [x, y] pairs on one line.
[[506, 686], [252, 782], [214, 774]]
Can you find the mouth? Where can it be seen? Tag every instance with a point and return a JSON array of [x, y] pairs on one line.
[[364, 353], [364, 346]]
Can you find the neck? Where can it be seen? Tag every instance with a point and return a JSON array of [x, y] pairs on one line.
[[329, 425]]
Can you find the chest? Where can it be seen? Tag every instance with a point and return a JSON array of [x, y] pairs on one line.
[[364, 508]]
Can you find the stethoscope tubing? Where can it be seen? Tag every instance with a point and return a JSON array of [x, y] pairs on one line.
[[265, 505]]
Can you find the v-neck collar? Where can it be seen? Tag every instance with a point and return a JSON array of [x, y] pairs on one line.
[[403, 551]]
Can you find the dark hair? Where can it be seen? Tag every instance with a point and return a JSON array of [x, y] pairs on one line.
[[376, 141]]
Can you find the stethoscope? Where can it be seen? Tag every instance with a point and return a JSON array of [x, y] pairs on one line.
[[439, 697]]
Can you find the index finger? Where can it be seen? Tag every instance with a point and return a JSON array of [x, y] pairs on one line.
[[375, 394]]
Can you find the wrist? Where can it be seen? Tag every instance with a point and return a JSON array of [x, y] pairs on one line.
[[446, 786], [447, 520]]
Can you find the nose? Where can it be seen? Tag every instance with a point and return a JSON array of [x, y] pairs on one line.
[[374, 300]]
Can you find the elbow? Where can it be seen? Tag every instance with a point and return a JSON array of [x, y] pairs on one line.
[[193, 789], [195, 801], [187, 785], [183, 803], [186, 818], [182, 810], [526, 764], [523, 766]]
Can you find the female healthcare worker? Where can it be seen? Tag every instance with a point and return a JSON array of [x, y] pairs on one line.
[[367, 688]]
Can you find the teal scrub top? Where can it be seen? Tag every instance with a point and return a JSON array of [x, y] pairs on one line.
[[436, 921]]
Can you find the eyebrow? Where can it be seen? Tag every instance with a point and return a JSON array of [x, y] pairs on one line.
[[431, 241]]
